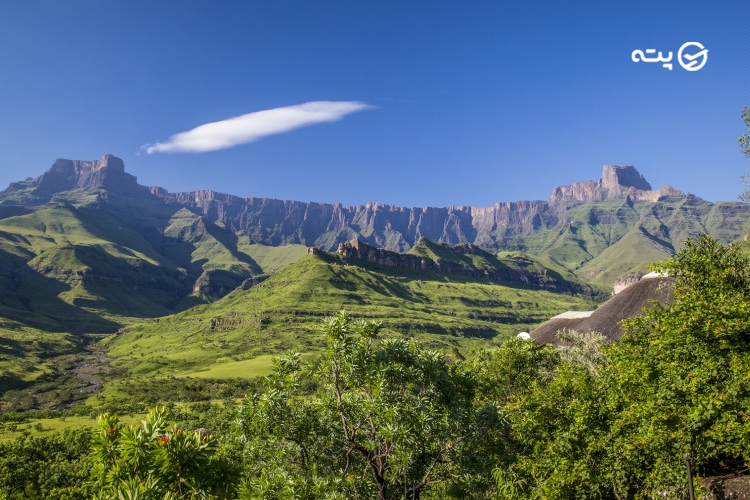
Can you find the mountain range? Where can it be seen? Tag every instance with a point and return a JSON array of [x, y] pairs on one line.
[[590, 228], [85, 249]]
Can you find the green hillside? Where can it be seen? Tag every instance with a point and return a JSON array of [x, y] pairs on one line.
[[95, 253], [235, 335], [631, 254], [532, 264], [271, 259], [67, 269], [205, 246], [85, 270], [516, 268], [75, 270], [589, 230], [27, 353], [605, 239]]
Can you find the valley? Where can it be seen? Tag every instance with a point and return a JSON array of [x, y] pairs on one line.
[[209, 285]]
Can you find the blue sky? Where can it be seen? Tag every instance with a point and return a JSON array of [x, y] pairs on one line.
[[465, 103]]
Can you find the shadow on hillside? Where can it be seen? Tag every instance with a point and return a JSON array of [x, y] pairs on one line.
[[10, 347], [416, 327], [11, 383], [13, 211], [36, 303]]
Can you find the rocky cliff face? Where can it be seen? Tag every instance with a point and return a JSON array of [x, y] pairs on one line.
[[492, 268], [613, 176], [278, 222], [357, 250], [616, 182], [274, 222], [105, 173]]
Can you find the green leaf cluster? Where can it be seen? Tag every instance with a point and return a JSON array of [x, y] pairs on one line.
[[47, 468], [154, 461]]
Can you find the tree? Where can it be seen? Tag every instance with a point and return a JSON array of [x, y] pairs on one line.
[[556, 418], [391, 420], [616, 421], [679, 384], [745, 147]]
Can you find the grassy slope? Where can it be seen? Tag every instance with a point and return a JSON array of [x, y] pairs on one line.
[[591, 229], [441, 252], [271, 259], [98, 273], [509, 264], [204, 246], [285, 312], [38, 427], [25, 352], [727, 220], [604, 240], [532, 263], [631, 254], [66, 243], [83, 270]]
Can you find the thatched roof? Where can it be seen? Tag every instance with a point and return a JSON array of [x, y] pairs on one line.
[[606, 319]]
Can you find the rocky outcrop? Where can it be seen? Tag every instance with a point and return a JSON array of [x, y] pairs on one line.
[[218, 282], [255, 280], [471, 249], [578, 191], [495, 270], [105, 173], [357, 250], [614, 176], [616, 182]]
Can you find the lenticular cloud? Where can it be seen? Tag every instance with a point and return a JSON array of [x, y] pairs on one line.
[[252, 126]]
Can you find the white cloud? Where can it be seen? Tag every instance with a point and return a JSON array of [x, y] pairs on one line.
[[253, 126]]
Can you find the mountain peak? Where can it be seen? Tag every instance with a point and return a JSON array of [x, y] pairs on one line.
[[108, 172], [616, 182], [625, 176], [110, 162]]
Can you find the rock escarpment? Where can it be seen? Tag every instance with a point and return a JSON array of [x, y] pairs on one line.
[[616, 182], [66, 175], [279, 222], [456, 260], [358, 250]]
